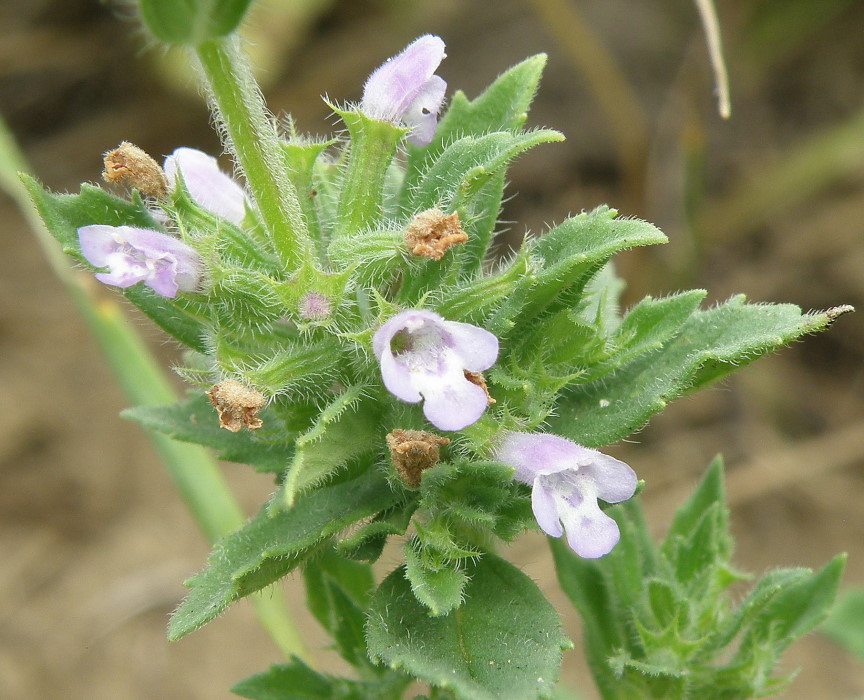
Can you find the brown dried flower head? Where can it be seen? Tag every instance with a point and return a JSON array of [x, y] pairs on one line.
[[129, 165], [432, 232], [478, 379], [413, 451], [238, 405]]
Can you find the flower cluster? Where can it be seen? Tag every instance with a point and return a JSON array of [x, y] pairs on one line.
[[422, 356]]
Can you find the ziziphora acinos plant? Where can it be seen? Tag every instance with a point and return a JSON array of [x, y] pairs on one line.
[[354, 339]]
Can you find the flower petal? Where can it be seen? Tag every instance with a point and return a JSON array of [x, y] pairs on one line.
[[476, 347], [208, 186], [545, 509], [590, 532], [450, 401], [397, 378], [614, 479], [421, 116], [395, 84], [98, 242]]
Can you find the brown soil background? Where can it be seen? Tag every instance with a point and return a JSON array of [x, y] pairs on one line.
[[94, 542]]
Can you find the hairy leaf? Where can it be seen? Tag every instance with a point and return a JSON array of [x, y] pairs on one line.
[[504, 641]]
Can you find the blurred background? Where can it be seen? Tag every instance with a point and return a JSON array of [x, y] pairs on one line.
[[94, 542]]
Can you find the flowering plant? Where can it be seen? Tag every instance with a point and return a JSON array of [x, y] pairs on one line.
[[347, 331]]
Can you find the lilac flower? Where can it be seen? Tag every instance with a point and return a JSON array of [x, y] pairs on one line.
[[208, 186], [405, 89], [566, 480], [424, 356], [132, 255]]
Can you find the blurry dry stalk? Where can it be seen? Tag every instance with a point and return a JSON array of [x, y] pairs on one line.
[[131, 166], [606, 81], [238, 405], [708, 14], [412, 452], [432, 232]]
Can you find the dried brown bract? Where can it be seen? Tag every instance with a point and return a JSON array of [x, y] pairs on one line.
[[129, 165], [432, 232], [238, 405], [478, 379], [413, 451]]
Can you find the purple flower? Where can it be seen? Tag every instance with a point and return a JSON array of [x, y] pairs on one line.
[[424, 356], [132, 255], [208, 186], [405, 89], [566, 480]]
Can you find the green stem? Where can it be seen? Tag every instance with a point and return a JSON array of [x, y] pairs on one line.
[[250, 134], [192, 469]]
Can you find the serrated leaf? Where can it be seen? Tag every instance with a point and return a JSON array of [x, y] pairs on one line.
[[343, 431], [366, 543], [466, 165], [440, 588], [195, 420], [504, 641], [64, 214], [721, 338], [797, 608], [569, 255], [268, 547]]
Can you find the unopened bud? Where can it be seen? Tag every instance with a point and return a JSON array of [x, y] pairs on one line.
[[432, 232], [412, 452], [238, 405], [314, 306], [129, 165]]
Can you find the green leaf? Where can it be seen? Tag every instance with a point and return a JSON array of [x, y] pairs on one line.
[[709, 344], [467, 164], [584, 583], [296, 681], [268, 547], [64, 214], [845, 623], [337, 593], [568, 256], [796, 609], [440, 587], [195, 420], [505, 641], [710, 490], [191, 21], [503, 106], [366, 543], [344, 430]]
